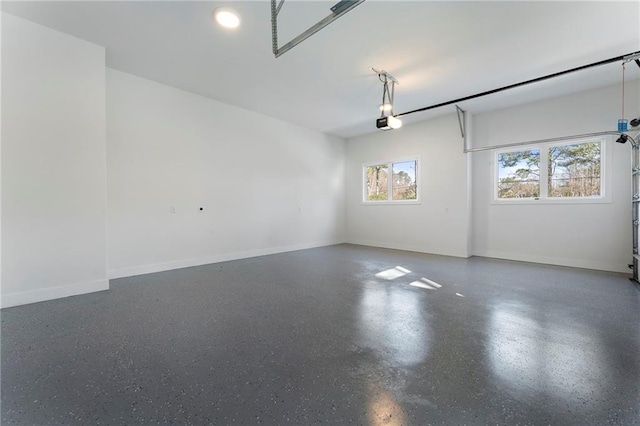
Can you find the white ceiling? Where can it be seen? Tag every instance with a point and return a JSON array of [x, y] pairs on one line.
[[437, 50]]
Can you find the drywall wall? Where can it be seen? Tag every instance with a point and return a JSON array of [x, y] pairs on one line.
[[596, 236], [53, 164], [440, 223], [264, 185]]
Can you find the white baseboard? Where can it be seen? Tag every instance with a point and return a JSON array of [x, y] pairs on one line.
[[225, 257], [41, 295], [558, 261], [547, 260], [444, 251]]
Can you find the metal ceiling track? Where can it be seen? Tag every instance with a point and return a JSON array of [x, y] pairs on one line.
[[634, 142], [634, 56], [635, 204], [337, 11], [463, 115]]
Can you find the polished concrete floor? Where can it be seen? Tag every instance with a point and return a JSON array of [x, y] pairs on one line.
[[338, 335]]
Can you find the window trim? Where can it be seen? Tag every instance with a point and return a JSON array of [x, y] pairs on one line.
[[606, 166], [390, 163]]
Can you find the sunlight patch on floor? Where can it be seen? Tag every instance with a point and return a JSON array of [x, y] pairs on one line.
[[420, 284], [393, 273]]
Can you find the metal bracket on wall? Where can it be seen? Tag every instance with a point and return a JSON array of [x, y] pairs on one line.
[[462, 121], [337, 11]]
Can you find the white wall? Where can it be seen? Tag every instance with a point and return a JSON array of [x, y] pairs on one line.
[[457, 216], [596, 236], [266, 186], [439, 224], [53, 164]]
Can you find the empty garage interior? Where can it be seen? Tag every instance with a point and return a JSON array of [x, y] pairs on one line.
[[204, 225]]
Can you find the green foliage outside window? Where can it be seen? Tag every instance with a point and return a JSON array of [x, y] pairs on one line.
[[403, 185], [571, 171]]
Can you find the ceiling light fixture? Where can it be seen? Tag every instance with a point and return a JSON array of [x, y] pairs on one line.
[[387, 121], [226, 17]]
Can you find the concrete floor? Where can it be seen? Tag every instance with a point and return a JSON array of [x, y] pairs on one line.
[[331, 335]]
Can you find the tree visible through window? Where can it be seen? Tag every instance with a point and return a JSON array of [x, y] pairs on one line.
[[377, 185], [404, 180], [402, 186], [519, 174], [574, 170], [554, 172]]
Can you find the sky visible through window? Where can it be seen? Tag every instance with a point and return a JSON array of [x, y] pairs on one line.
[[504, 172], [391, 181], [569, 171], [406, 166]]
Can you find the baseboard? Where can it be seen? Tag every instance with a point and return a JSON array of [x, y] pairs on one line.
[[443, 251], [225, 257], [44, 294], [558, 261]]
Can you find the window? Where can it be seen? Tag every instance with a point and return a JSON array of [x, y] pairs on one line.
[[551, 172], [401, 187], [519, 174], [574, 170]]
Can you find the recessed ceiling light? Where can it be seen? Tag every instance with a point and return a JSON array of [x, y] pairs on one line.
[[226, 17]]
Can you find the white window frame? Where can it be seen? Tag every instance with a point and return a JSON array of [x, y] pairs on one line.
[[390, 163], [606, 158]]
